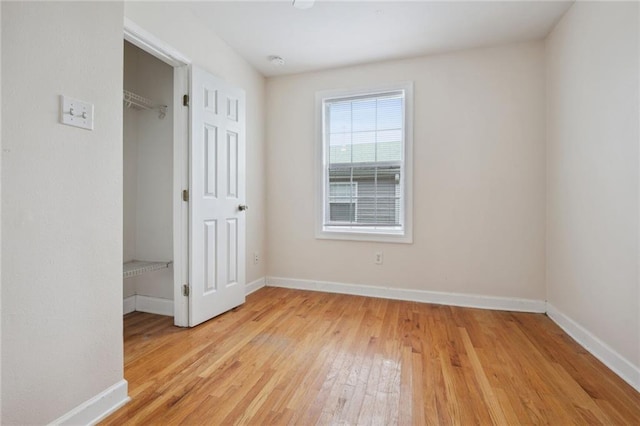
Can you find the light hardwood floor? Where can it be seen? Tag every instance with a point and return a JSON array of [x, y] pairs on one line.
[[299, 357]]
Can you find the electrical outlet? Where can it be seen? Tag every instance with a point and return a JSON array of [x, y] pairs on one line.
[[256, 258], [378, 258]]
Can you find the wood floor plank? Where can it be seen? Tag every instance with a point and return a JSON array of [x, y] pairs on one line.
[[302, 358]]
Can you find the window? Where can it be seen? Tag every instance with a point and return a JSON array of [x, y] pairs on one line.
[[364, 159]]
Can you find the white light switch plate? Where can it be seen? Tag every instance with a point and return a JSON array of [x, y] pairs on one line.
[[77, 113]]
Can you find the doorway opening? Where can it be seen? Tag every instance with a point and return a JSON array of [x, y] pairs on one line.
[[155, 172], [147, 183]]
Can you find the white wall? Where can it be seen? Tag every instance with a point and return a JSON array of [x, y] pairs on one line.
[[592, 190], [176, 25], [148, 173], [479, 164], [154, 208], [61, 208], [0, 209]]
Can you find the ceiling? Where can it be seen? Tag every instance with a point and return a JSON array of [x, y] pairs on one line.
[[341, 33]]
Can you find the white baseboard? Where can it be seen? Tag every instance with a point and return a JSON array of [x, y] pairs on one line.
[[154, 305], [441, 298], [255, 285], [617, 363], [129, 305], [98, 407]]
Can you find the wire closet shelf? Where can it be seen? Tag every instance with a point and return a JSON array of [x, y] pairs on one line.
[[139, 267], [137, 102]]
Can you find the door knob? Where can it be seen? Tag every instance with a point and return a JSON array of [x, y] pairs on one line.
[[243, 207]]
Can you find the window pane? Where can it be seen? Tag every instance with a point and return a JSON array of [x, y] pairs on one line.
[[342, 190], [344, 212], [339, 117], [389, 113], [339, 174], [364, 147], [364, 115], [389, 146], [340, 148], [372, 192], [365, 139]]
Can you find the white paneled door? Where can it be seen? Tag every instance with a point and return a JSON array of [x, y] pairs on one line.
[[217, 197]]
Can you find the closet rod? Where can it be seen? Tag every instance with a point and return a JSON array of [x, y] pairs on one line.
[[138, 102]]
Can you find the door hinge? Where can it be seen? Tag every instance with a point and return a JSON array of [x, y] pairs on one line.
[[185, 290], [185, 100], [185, 195]]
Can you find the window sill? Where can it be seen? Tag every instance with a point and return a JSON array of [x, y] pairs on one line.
[[372, 236]]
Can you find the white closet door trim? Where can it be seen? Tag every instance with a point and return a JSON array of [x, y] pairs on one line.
[[146, 41]]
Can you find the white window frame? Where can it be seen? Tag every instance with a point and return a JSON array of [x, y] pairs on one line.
[[321, 160]]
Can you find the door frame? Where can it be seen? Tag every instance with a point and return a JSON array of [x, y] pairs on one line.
[[151, 44]]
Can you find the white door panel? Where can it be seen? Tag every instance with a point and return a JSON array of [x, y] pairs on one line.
[[217, 189]]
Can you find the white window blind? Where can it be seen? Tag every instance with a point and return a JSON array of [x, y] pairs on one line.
[[364, 141]]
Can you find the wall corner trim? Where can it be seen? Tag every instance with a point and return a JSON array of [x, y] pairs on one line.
[[255, 285], [129, 305], [98, 407], [440, 298], [608, 356]]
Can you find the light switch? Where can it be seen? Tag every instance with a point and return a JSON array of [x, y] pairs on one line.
[[77, 113]]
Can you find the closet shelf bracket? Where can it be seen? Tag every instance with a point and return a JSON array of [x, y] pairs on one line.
[[137, 102]]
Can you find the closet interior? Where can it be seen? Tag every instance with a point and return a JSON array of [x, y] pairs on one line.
[[148, 182]]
